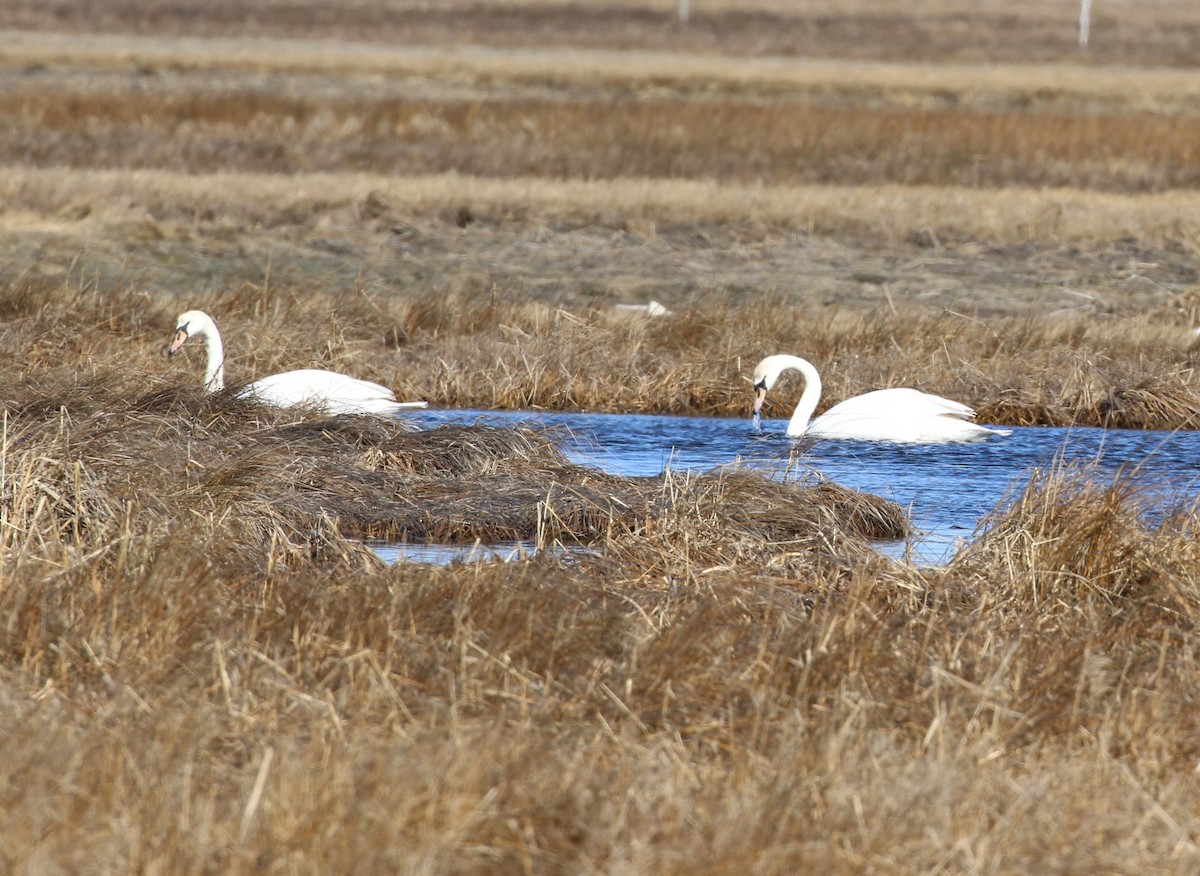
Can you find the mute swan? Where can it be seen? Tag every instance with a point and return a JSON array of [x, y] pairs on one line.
[[326, 390], [903, 415]]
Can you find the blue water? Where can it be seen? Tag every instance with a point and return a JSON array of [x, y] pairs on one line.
[[947, 489]]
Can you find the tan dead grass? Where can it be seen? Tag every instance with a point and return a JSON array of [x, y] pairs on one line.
[[1067, 538], [233, 712], [887, 83], [200, 670], [1151, 33], [253, 124], [200, 673], [497, 350], [122, 201]]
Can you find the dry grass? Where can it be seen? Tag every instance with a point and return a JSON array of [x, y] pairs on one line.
[[965, 186], [1155, 33], [203, 671], [248, 123], [287, 482], [200, 676], [416, 70], [214, 208], [467, 347]]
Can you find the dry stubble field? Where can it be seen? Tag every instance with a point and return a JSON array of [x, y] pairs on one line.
[[201, 671]]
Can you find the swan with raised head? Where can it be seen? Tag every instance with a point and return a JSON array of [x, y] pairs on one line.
[[329, 391], [902, 415]]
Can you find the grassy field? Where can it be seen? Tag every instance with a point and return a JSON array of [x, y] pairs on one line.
[[204, 671]]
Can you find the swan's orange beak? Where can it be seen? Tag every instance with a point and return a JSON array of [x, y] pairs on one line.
[[181, 335], [760, 395]]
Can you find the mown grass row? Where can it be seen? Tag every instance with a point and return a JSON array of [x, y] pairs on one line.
[[1162, 33], [257, 129]]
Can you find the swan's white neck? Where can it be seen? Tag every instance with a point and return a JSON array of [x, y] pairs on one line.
[[798, 425], [214, 358]]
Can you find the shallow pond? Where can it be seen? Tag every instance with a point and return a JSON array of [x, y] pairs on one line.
[[947, 489]]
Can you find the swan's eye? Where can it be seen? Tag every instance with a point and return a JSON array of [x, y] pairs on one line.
[[762, 384]]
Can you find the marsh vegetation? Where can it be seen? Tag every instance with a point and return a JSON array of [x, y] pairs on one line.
[[204, 671]]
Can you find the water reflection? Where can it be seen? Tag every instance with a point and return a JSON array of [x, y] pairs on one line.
[[947, 489], [441, 554]]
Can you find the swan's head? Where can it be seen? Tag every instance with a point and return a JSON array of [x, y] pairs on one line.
[[765, 375], [194, 322], [768, 370]]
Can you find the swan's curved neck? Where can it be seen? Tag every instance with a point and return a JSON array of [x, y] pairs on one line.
[[214, 359], [808, 399]]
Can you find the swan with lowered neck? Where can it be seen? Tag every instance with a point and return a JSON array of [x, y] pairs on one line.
[[329, 391], [902, 415]]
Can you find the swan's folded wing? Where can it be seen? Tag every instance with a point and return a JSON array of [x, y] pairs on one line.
[[328, 390], [889, 405], [948, 407], [904, 415]]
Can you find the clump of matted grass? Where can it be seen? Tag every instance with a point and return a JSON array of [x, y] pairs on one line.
[[1071, 535], [176, 452], [1080, 580], [730, 518], [1105, 400]]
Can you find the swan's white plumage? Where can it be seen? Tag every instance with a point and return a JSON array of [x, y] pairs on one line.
[[329, 391], [902, 415]]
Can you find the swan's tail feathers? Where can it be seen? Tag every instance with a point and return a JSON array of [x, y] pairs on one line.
[[948, 408], [972, 431], [410, 405], [976, 432]]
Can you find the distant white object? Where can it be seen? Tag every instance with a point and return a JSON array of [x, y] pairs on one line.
[[902, 415], [1085, 22], [325, 390], [653, 308]]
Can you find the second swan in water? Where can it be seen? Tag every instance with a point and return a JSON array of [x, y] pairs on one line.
[[903, 415], [328, 391]]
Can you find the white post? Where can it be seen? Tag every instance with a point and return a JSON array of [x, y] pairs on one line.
[[1085, 22], [683, 10]]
